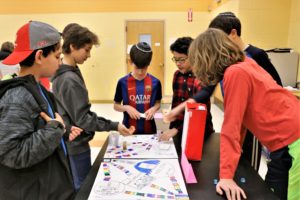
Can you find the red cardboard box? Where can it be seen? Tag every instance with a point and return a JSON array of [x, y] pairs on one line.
[[193, 130]]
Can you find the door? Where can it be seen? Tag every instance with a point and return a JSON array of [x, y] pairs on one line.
[[151, 32]]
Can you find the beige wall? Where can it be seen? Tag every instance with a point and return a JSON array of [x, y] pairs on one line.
[[264, 23], [107, 63], [232, 5], [294, 29], [271, 23], [267, 24], [88, 6]]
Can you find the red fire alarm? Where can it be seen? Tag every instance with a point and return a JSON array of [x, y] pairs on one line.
[[190, 15]]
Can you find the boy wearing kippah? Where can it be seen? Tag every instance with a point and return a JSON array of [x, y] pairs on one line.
[[33, 155], [138, 94]]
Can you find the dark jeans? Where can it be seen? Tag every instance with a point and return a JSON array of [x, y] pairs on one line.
[[277, 176], [80, 165]]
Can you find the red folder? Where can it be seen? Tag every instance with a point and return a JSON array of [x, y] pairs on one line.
[[193, 130]]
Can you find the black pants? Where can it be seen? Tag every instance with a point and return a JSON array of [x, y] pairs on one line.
[[252, 150], [277, 176]]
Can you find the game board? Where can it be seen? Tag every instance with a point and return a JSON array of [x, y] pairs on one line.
[[139, 179], [141, 146]]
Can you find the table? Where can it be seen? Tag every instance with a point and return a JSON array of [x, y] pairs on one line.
[[296, 93], [206, 171]]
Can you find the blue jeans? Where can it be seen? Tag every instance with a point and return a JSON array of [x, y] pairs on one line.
[[80, 166]]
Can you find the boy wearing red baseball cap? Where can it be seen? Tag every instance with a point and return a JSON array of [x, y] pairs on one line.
[[33, 156]]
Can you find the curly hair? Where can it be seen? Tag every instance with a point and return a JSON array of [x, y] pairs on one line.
[[211, 53], [181, 45]]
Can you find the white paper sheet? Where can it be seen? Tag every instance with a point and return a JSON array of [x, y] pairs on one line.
[[141, 146], [138, 179]]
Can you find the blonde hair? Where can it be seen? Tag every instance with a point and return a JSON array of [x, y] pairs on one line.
[[211, 53]]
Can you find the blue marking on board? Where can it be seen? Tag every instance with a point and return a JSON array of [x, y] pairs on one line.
[[146, 170]]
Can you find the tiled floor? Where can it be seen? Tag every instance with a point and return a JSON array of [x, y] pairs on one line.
[[107, 111]]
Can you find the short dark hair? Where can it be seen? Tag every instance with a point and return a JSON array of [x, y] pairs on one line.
[[78, 36], [141, 55], [7, 47], [226, 21], [181, 45], [67, 28], [29, 61]]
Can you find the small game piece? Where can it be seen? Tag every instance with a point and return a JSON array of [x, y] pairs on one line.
[[124, 146], [215, 181], [242, 180]]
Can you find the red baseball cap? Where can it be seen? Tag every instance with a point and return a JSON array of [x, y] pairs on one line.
[[31, 36]]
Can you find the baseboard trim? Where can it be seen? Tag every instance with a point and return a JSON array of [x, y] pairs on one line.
[[101, 101]]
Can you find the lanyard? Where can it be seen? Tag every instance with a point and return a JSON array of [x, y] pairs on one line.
[[52, 116]]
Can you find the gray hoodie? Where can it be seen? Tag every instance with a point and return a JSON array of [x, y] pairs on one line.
[[73, 104]]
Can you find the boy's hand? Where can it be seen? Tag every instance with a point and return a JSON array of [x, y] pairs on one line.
[[57, 118], [123, 130], [150, 113], [75, 131], [131, 129], [231, 189], [168, 134], [132, 112]]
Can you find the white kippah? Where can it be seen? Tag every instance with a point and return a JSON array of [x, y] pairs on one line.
[[227, 14], [143, 47]]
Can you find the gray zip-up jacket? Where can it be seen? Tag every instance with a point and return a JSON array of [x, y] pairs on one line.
[[73, 104], [32, 162]]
